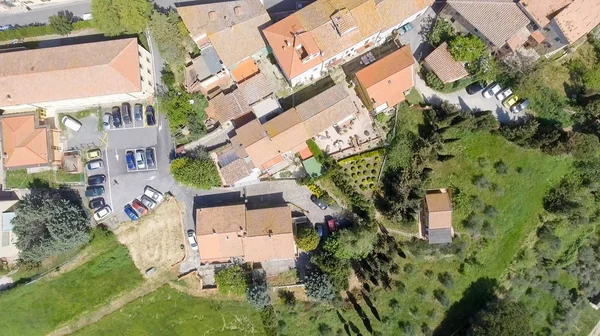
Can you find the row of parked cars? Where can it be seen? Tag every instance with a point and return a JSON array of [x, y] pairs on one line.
[[506, 96], [148, 201], [95, 185], [120, 115], [140, 159]]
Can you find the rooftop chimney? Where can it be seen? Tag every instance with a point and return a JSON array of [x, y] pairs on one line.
[[238, 10], [212, 15]]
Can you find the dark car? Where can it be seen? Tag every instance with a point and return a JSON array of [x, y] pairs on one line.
[[116, 113], [97, 203], [139, 207], [520, 106], [150, 158], [475, 87], [318, 202], [150, 118], [138, 112], [130, 160], [320, 230], [94, 191], [130, 212], [96, 179], [126, 110]]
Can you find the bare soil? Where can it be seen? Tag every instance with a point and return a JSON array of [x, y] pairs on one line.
[[155, 240]]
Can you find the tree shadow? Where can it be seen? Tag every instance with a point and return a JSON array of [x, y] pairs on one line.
[[475, 297], [361, 313], [354, 328], [37, 183], [371, 306]]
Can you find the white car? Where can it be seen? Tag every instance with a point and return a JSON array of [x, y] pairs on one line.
[[153, 194], [148, 202], [491, 91], [140, 159], [192, 239], [504, 94], [102, 213], [71, 123]]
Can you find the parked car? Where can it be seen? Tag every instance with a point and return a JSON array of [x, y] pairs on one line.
[[150, 158], [130, 212], [116, 113], [138, 111], [102, 213], [130, 160], [148, 202], [94, 191], [94, 154], [140, 159], [139, 207], [406, 28], [154, 194], [71, 123], [150, 118], [332, 225], [97, 203], [520, 106], [504, 94], [491, 91], [320, 230], [96, 179], [192, 239], [107, 121], [6, 27], [475, 87], [512, 100], [126, 111], [95, 164], [318, 202]]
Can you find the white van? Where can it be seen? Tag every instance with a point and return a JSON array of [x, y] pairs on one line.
[[71, 123]]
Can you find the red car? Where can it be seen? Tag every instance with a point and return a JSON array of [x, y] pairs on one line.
[[332, 225], [139, 207]]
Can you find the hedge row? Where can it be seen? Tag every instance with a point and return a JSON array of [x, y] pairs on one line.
[[34, 31], [371, 153]]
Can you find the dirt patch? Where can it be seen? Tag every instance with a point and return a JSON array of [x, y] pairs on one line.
[[155, 240]]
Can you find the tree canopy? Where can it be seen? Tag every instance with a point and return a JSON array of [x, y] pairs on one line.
[[62, 22], [307, 238], [115, 17], [442, 31], [196, 171], [46, 225], [467, 48], [502, 318]]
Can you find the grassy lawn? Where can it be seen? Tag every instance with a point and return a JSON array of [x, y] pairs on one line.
[[170, 312], [15, 179], [415, 97], [39, 308]]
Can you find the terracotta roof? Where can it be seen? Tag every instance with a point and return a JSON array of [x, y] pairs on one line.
[[439, 208], [322, 101], [23, 142], [232, 26], [392, 12], [245, 70], [234, 171], [387, 79], [320, 122], [281, 246], [282, 122], [225, 107], [262, 222], [291, 137], [69, 72], [305, 153], [578, 19], [284, 37], [538, 36], [543, 10], [222, 219], [220, 247], [441, 62], [262, 151], [497, 20], [250, 133]]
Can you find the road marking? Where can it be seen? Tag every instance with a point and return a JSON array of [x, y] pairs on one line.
[[103, 139], [109, 181], [160, 126], [116, 155], [151, 178]]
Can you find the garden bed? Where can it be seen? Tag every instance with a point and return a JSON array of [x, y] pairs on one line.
[[363, 169]]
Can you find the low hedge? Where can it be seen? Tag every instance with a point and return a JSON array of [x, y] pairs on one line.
[[42, 30], [371, 153]]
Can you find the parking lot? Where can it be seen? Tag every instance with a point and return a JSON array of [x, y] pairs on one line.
[[124, 182]]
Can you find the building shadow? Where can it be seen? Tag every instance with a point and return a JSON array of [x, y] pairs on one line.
[[274, 200], [215, 200]]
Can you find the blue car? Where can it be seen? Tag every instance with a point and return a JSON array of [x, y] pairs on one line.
[[130, 160], [130, 212]]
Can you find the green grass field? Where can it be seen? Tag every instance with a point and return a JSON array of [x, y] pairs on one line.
[[19, 178], [170, 312], [39, 308]]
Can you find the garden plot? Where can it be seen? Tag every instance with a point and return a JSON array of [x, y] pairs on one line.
[[363, 169]]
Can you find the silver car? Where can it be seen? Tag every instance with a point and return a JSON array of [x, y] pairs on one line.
[[491, 91], [107, 121]]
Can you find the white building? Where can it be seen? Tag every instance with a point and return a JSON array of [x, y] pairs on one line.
[[74, 77], [328, 33]]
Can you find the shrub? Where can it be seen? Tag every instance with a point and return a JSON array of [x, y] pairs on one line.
[[442, 31], [406, 327], [400, 286], [61, 23], [358, 173], [362, 187], [497, 189], [490, 211], [231, 280], [307, 238], [374, 171], [287, 297], [353, 168], [325, 329], [483, 162], [446, 279], [433, 81], [441, 297], [198, 172], [316, 151], [477, 204], [482, 182], [318, 287], [429, 274], [368, 165], [408, 268], [501, 167], [421, 292], [467, 48], [394, 305], [259, 296]]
